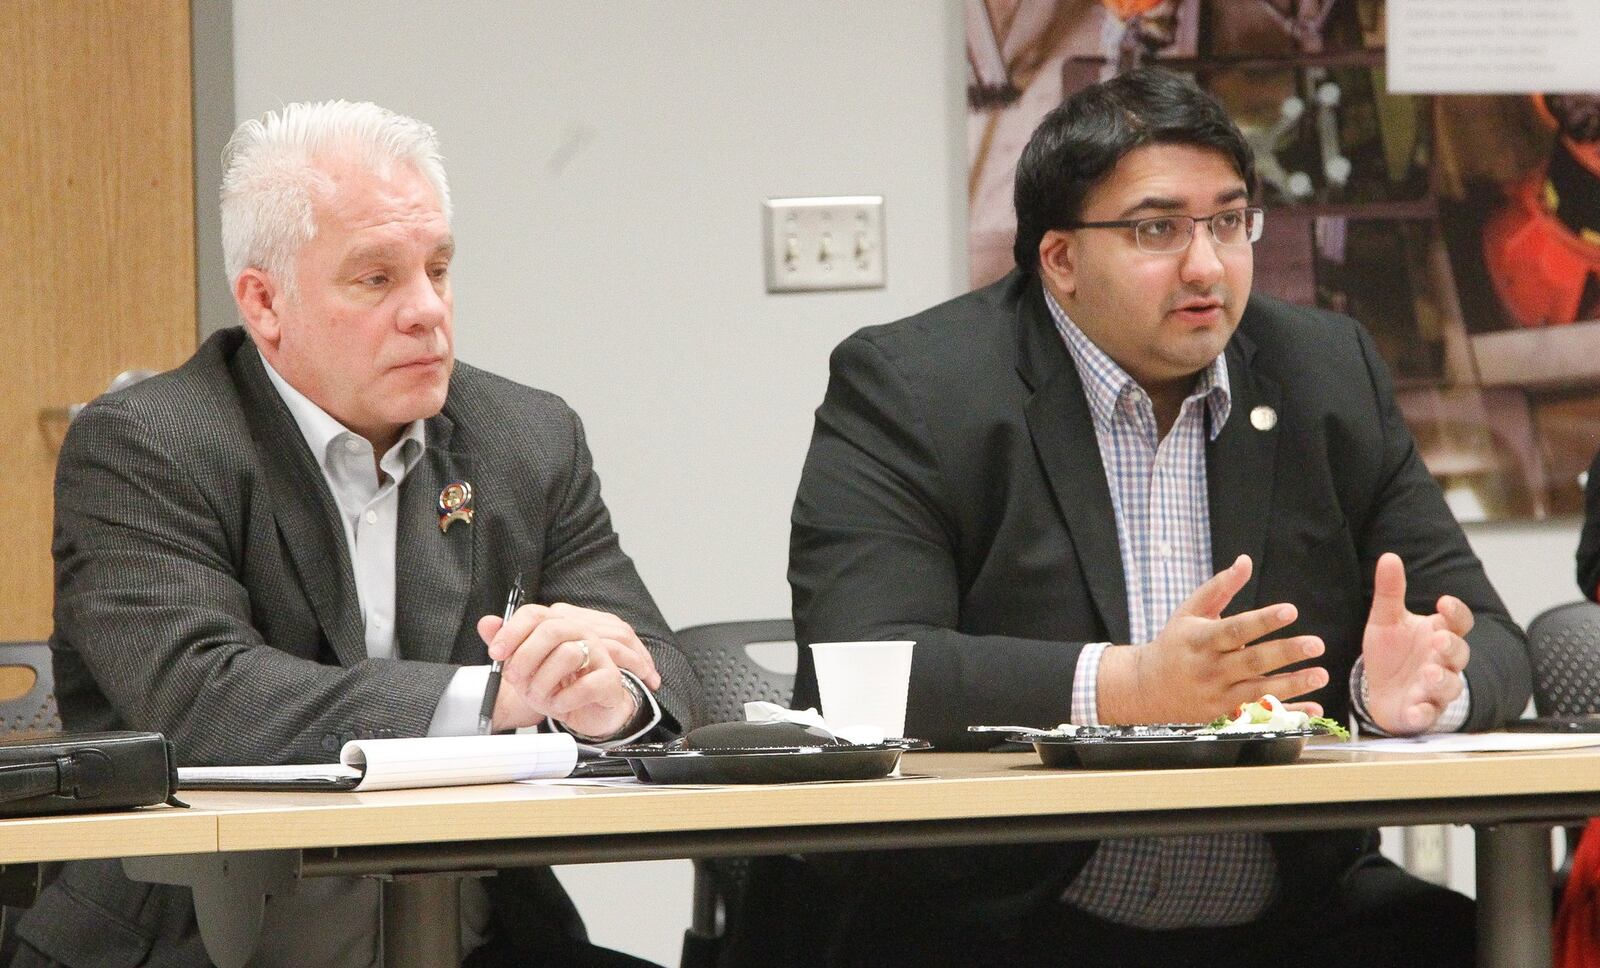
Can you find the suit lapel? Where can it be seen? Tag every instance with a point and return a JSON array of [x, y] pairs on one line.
[[302, 504], [433, 570], [1239, 468], [1063, 436]]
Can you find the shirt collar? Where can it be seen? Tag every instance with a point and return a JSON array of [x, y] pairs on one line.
[[1105, 383], [321, 430]]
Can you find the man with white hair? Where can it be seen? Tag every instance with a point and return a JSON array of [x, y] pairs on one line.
[[305, 534]]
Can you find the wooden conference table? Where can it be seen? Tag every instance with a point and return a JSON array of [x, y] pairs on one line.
[[234, 846]]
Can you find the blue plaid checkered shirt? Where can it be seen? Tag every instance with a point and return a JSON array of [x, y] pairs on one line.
[[1159, 496], [1158, 492]]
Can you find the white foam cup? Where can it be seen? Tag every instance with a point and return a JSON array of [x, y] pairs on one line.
[[864, 684]]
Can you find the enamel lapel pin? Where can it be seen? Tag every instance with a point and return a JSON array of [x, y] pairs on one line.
[[455, 504]]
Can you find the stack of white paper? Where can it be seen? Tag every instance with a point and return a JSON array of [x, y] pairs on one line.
[[394, 764]]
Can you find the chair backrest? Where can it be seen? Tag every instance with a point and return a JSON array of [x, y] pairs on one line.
[[1564, 644], [27, 690], [730, 675]]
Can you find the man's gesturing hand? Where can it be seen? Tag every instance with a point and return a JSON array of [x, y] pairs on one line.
[[1199, 666], [1413, 663]]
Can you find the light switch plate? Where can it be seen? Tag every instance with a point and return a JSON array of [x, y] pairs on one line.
[[833, 242]]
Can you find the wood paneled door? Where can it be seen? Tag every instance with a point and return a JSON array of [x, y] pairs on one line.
[[97, 223]]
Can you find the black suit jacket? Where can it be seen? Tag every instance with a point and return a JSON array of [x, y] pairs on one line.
[[954, 495], [204, 589]]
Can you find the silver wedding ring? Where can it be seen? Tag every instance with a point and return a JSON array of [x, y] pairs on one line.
[[584, 648]]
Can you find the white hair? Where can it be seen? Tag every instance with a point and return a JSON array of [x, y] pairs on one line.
[[270, 172]]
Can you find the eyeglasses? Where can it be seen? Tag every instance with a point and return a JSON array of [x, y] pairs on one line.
[[1165, 234]]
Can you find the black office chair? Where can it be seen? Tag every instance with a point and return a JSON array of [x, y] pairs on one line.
[[720, 655], [27, 708], [1564, 644], [27, 690]]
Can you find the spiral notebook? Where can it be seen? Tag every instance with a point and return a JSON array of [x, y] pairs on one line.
[[398, 764]]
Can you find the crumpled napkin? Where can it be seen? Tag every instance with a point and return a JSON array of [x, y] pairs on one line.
[[771, 712]]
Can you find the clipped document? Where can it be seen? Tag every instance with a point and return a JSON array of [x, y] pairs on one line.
[[398, 764]]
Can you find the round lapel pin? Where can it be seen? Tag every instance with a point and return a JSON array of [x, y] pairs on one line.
[[1263, 418], [455, 504]]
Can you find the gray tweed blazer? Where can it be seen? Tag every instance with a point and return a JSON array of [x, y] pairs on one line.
[[204, 589]]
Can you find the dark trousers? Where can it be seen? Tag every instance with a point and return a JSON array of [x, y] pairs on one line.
[[489, 956], [533, 923], [1376, 916]]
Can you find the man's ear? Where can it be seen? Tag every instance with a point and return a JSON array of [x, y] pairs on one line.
[[257, 295], [1058, 261]]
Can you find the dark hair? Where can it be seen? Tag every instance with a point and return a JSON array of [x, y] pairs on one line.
[[1080, 142]]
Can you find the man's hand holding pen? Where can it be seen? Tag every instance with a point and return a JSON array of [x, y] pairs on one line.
[[563, 662]]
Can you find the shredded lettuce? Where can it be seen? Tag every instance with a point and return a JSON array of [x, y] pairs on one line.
[[1270, 713], [1331, 726]]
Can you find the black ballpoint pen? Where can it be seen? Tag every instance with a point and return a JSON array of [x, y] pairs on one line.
[[492, 688]]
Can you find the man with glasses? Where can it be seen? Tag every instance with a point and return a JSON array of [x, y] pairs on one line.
[[1083, 491]]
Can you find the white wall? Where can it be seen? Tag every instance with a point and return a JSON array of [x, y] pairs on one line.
[[1532, 565], [607, 164]]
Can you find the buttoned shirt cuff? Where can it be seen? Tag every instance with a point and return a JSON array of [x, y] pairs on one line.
[[457, 712], [1086, 685], [643, 721], [1450, 720]]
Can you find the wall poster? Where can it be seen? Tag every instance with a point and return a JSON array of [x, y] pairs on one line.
[[1462, 230]]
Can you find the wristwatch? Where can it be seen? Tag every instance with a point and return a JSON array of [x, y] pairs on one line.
[[636, 693]]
